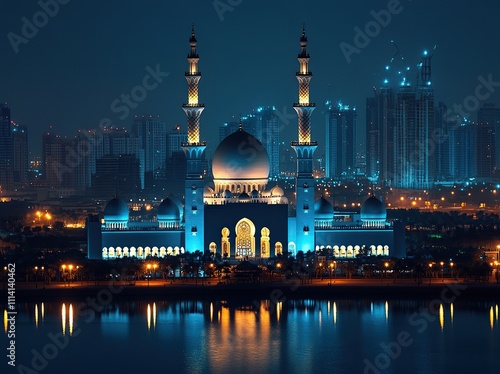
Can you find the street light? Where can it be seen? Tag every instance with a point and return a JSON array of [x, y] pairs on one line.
[[36, 276], [70, 267], [442, 271], [154, 268], [451, 269], [331, 270], [148, 266], [64, 269]]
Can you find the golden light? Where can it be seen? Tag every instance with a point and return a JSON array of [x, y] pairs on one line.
[[451, 264], [38, 213], [441, 316], [148, 266], [48, 216], [441, 263], [413, 203], [64, 267], [63, 319], [430, 265], [321, 264], [402, 198], [70, 267], [386, 264], [278, 265]]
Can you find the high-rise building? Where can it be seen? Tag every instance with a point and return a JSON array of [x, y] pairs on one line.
[[487, 142], [340, 123], [268, 133], [442, 144], [380, 118], [6, 150], [175, 138], [116, 175], [20, 153], [414, 125], [227, 128], [460, 139], [152, 138]]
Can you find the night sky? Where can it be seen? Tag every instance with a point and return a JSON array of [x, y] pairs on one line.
[[91, 52]]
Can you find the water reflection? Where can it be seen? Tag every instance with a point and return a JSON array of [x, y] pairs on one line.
[[441, 316], [5, 321], [309, 335], [492, 318], [63, 318]]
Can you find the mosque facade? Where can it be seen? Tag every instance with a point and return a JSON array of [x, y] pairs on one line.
[[240, 216]]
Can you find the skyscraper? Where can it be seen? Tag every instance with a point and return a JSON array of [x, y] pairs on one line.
[[380, 118], [20, 153], [340, 123], [152, 137], [487, 142], [414, 125], [268, 132], [6, 156], [175, 138]]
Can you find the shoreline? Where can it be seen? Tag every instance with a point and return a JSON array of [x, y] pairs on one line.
[[341, 289]]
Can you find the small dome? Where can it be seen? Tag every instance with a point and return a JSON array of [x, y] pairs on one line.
[[254, 194], [240, 156], [277, 191], [208, 191], [244, 196], [116, 210], [227, 194], [168, 210], [373, 210], [323, 209], [266, 193]]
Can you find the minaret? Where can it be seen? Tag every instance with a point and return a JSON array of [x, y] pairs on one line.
[[194, 150], [304, 148]]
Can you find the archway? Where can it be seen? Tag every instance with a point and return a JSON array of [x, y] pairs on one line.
[[225, 245], [264, 243], [278, 249], [245, 238]]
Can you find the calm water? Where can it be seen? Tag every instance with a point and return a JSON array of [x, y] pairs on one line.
[[294, 336]]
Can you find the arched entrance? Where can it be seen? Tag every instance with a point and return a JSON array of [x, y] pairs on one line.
[[265, 251], [245, 238]]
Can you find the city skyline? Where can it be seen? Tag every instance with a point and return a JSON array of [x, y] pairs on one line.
[[100, 64]]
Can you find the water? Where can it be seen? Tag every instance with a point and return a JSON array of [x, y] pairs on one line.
[[294, 336]]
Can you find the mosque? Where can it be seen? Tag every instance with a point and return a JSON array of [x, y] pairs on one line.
[[239, 216]]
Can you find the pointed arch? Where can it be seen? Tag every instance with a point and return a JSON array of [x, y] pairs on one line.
[[245, 238]]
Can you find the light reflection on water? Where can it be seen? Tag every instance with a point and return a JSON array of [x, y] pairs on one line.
[[295, 336]]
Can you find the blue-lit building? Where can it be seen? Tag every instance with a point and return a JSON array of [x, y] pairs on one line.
[[241, 215]]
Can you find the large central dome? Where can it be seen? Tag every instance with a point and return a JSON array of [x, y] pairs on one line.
[[240, 156]]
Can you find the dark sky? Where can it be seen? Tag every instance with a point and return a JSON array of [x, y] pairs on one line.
[[92, 51]]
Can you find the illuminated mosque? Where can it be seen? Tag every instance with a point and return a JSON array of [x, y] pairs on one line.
[[240, 217]]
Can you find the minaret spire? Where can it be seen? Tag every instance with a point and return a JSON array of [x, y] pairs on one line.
[[304, 147], [194, 150], [193, 108], [304, 108]]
